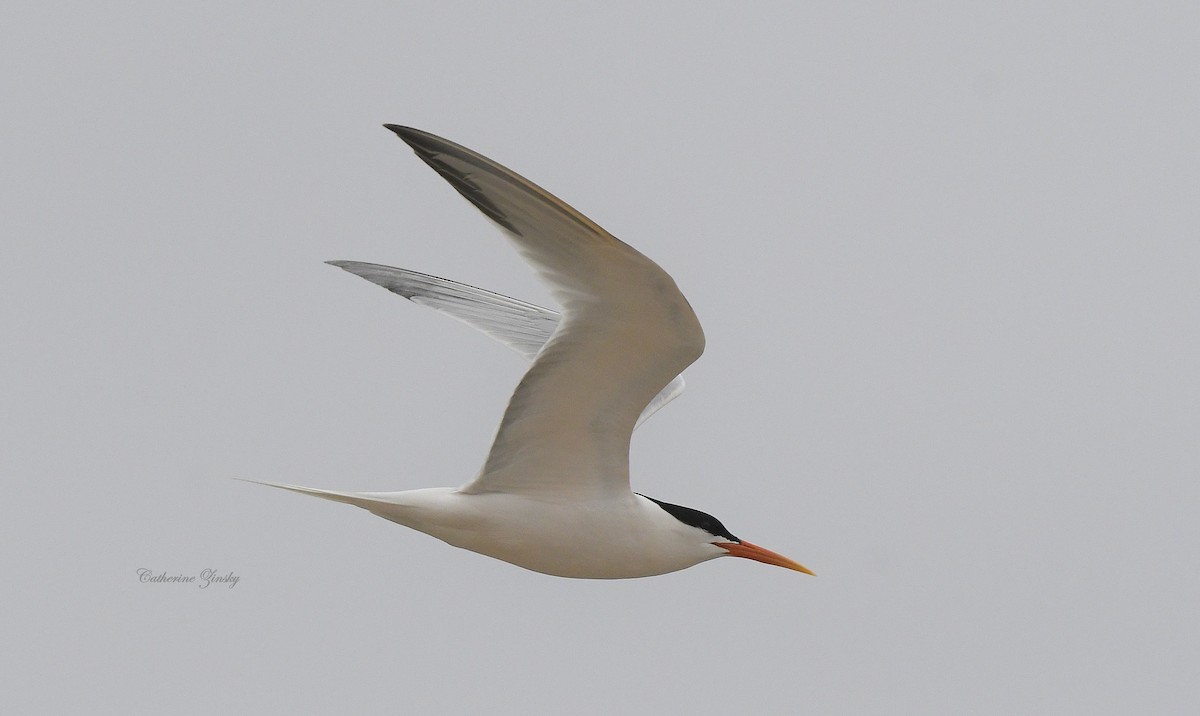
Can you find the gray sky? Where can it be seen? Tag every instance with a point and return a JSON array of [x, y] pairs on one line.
[[946, 261]]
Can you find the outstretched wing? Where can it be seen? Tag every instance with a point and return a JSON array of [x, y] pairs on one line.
[[522, 326], [626, 332]]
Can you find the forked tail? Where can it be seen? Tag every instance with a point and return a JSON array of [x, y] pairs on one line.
[[359, 499]]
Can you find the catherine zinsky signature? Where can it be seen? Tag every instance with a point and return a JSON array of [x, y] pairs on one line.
[[206, 578]]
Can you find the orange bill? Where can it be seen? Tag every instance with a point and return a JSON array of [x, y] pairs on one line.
[[759, 554]]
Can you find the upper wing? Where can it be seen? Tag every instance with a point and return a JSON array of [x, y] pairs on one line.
[[625, 333], [522, 326]]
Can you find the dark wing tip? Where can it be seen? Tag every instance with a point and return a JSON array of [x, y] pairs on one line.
[[358, 268], [428, 146], [399, 129], [456, 163], [392, 279], [415, 138]]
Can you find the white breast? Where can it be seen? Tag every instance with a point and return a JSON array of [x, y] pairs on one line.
[[600, 539]]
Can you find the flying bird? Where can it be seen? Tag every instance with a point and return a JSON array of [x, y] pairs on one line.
[[553, 494]]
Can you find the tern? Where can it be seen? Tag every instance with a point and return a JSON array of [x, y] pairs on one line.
[[553, 495]]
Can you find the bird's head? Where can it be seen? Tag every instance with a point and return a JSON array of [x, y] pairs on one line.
[[724, 539]]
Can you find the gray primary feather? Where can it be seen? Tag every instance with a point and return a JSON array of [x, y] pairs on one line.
[[522, 326]]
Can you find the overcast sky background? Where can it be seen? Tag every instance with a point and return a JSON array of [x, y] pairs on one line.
[[945, 255]]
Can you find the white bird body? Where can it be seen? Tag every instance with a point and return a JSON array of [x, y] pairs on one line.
[[553, 495], [597, 539]]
